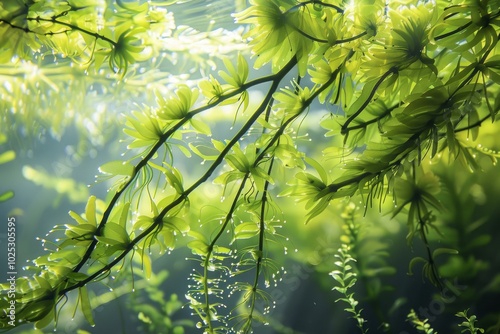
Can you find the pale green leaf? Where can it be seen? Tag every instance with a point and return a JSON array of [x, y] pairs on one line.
[[198, 247], [114, 235], [90, 211], [85, 305], [245, 230], [6, 195], [7, 156], [117, 168]]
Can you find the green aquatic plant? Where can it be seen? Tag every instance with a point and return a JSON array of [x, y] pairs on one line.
[[469, 323], [421, 325], [346, 278], [393, 88], [424, 326]]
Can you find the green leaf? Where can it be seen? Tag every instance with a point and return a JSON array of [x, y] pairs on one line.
[[7, 156], [81, 231], [68, 255], [440, 251], [114, 235], [78, 218], [198, 247], [451, 140], [319, 168], [167, 239], [205, 156], [199, 236], [122, 221], [90, 211], [238, 162], [176, 224], [235, 77], [200, 126], [260, 177], [174, 178], [77, 277], [85, 305], [474, 119], [117, 168], [47, 319], [177, 105], [320, 206], [219, 146], [245, 231], [44, 284], [413, 262], [6, 195], [146, 265]]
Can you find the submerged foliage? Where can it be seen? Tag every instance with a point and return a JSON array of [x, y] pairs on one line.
[[395, 87]]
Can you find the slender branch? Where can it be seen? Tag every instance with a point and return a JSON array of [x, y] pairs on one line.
[[315, 2], [303, 33], [434, 271], [393, 70], [319, 40], [374, 120], [54, 21], [260, 257], [25, 29], [72, 26], [463, 27], [350, 39], [228, 218], [448, 34], [473, 125]]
